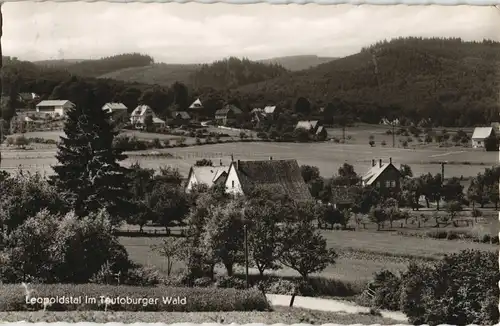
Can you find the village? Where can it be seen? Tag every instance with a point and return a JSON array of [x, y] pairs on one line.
[[225, 168]]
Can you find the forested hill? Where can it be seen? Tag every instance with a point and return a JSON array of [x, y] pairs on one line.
[[451, 81], [233, 72], [298, 62]]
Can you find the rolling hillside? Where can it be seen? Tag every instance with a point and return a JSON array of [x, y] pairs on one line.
[[298, 62], [158, 73], [423, 76]]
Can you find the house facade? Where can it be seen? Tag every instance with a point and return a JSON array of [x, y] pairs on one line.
[[480, 134], [140, 113], [227, 114], [310, 125], [54, 107], [284, 175], [383, 176], [207, 175]]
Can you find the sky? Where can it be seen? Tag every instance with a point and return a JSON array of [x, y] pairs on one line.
[[199, 33]]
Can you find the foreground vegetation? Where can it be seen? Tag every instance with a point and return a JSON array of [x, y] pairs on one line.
[[15, 298], [278, 315]]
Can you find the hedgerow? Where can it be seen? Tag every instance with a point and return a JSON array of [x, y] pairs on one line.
[[13, 298]]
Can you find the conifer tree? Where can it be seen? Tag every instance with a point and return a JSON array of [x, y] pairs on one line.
[[89, 175]]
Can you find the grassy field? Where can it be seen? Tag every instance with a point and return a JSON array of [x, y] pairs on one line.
[[279, 315], [328, 157]]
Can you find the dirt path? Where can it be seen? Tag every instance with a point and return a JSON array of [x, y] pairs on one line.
[[329, 305]]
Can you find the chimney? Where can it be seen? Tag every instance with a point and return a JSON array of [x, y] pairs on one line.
[[238, 165], [220, 161], [390, 160], [270, 158], [373, 162], [380, 163]]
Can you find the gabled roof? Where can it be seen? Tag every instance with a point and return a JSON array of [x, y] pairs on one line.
[[269, 109], [375, 171], [158, 120], [320, 129], [208, 174], [141, 110], [482, 132], [196, 104], [182, 114], [284, 174], [310, 124], [114, 106], [227, 108], [55, 103]]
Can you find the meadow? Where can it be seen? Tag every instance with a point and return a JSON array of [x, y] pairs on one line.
[[327, 156]]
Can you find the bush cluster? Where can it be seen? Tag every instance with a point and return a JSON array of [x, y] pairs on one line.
[[13, 298], [454, 235], [460, 289]]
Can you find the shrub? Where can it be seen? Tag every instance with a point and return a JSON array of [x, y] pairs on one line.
[[203, 282], [143, 276], [280, 286], [387, 290], [230, 282], [197, 299], [457, 290]]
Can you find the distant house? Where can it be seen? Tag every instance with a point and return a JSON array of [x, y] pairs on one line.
[[208, 175], [141, 113], [480, 134], [321, 133], [227, 114], [496, 126], [383, 176], [54, 107], [181, 117], [114, 108], [196, 109], [282, 174], [311, 125], [271, 112]]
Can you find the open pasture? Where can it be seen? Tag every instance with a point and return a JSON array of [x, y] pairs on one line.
[[348, 268], [328, 157]]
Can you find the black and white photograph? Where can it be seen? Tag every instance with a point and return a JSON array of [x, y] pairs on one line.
[[249, 164]]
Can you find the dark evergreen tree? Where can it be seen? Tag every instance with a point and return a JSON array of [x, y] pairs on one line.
[[89, 174]]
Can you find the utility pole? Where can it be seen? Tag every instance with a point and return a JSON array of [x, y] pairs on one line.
[[442, 172], [393, 123], [246, 254]]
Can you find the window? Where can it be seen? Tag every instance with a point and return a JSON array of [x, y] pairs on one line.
[[388, 184], [232, 182], [378, 184], [393, 184]]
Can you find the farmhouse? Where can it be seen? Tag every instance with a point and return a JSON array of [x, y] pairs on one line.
[[384, 176], [208, 175], [311, 125], [54, 107], [282, 174], [228, 114], [114, 108], [480, 134], [195, 109], [138, 116]]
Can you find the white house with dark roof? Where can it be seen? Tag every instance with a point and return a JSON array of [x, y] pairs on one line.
[[140, 114], [284, 175], [114, 107], [54, 107], [207, 175], [310, 125], [196, 104], [383, 176], [480, 134]]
